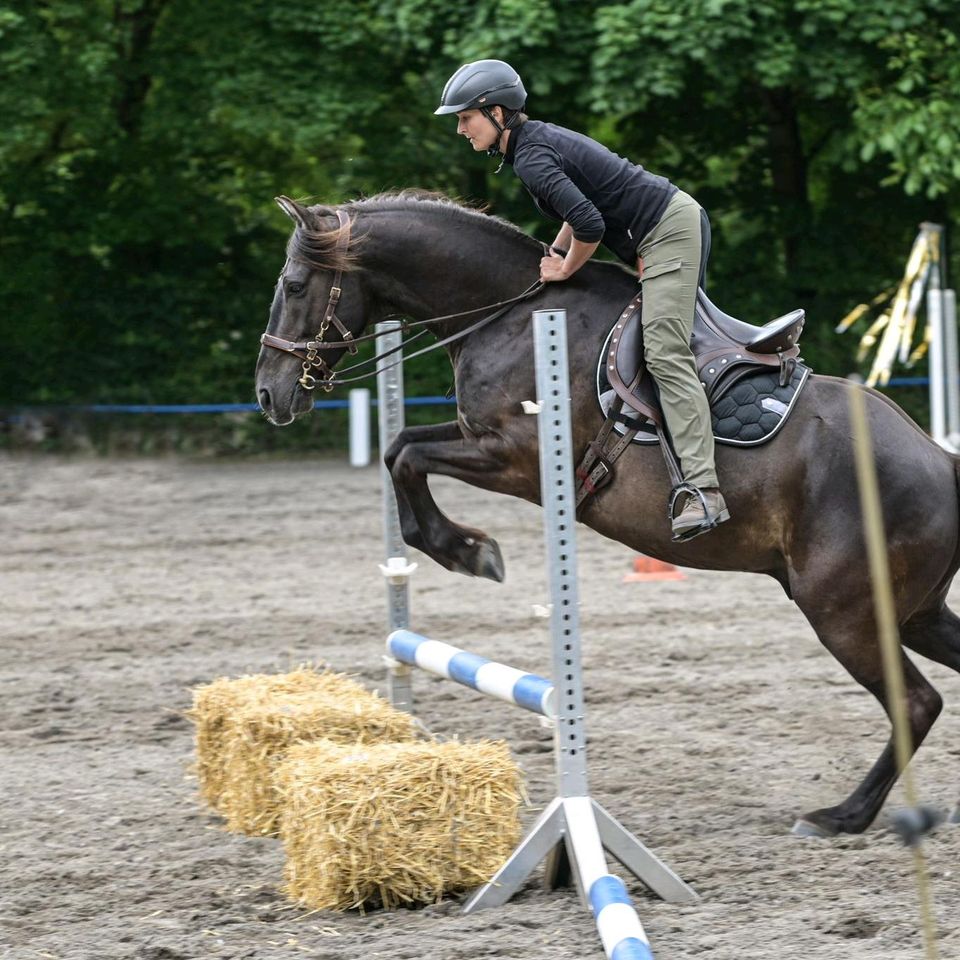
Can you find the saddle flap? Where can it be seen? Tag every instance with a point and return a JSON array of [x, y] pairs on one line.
[[625, 367], [626, 344]]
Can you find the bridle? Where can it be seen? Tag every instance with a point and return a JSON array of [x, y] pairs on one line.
[[308, 351]]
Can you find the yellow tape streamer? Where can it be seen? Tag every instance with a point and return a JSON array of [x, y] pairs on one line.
[[869, 339], [892, 334], [861, 308], [920, 351]]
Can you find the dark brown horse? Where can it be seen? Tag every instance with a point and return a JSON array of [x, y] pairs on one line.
[[794, 501]]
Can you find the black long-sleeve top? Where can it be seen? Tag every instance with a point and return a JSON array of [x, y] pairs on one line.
[[601, 195]]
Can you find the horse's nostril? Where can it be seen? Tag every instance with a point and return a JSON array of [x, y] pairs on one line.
[[264, 397]]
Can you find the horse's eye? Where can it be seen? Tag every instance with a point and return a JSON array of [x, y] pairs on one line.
[[295, 289]]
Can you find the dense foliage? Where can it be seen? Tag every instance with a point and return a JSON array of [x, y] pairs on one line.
[[144, 140]]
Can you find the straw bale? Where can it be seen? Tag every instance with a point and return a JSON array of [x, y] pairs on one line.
[[396, 824], [244, 725]]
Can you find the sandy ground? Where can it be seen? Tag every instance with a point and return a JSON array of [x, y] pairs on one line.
[[714, 717]]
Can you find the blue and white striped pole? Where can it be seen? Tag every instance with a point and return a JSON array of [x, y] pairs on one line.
[[617, 922], [526, 690]]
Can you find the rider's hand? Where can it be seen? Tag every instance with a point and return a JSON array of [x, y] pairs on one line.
[[551, 268]]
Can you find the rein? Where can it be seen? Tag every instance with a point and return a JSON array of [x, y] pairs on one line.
[[308, 351]]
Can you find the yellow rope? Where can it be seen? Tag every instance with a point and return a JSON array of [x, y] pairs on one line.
[[889, 641]]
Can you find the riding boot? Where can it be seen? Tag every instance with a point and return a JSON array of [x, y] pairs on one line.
[[700, 514]]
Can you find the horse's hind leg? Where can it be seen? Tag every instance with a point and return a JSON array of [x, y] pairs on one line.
[[851, 637], [935, 634]]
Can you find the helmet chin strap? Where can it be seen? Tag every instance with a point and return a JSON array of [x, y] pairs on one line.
[[494, 150]]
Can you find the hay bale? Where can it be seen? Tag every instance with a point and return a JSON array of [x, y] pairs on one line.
[[245, 725], [395, 824]]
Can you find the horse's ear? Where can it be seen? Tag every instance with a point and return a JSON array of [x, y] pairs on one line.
[[297, 212]]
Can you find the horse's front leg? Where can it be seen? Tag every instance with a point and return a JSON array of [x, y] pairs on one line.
[[483, 462], [428, 433]]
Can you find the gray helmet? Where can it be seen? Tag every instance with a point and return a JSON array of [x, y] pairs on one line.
[[483, 84]]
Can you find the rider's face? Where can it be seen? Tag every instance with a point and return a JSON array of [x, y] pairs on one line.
[[481, 133]]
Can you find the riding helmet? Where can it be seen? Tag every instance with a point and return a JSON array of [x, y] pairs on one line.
[[483, 83]]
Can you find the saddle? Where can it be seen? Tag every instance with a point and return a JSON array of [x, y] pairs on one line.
[[727, 352]]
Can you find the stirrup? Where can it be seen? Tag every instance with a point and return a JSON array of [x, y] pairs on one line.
[[710, 521]]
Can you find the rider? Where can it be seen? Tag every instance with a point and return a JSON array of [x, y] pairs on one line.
[[643, 218]]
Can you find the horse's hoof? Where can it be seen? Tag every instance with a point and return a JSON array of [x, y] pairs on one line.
[[488, 561], [808, 830], [955, 816]]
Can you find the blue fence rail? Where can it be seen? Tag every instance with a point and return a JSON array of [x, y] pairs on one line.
[[240, 407], [173, 408]]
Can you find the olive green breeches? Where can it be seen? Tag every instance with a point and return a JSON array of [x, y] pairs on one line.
[[671, 270]]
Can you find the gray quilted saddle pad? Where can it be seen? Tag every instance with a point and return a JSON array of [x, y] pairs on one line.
[[749, 412]]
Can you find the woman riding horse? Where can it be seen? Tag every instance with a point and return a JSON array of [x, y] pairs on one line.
[[643, 218]]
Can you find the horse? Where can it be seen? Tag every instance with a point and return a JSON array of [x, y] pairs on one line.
[[794, 501]]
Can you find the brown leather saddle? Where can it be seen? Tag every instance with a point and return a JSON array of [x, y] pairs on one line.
[[726, 351]]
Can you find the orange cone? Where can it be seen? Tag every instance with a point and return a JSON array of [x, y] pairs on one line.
[[646, 568]]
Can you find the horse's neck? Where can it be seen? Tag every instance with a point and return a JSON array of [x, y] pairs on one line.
[[425, 267]]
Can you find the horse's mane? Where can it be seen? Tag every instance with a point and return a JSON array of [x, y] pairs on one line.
[[318, 248]]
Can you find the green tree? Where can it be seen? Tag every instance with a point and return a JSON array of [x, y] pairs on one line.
[[145, 140], [778, 116], [913, 113]]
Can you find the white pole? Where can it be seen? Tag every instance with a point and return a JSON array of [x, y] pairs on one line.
[[952, 366], [360, 428], [938, 425], [395, 568], [390, 420]]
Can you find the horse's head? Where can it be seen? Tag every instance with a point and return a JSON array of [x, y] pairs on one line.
[[318, 299]]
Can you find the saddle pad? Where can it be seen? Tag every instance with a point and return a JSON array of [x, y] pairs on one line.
[[749, 413]]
